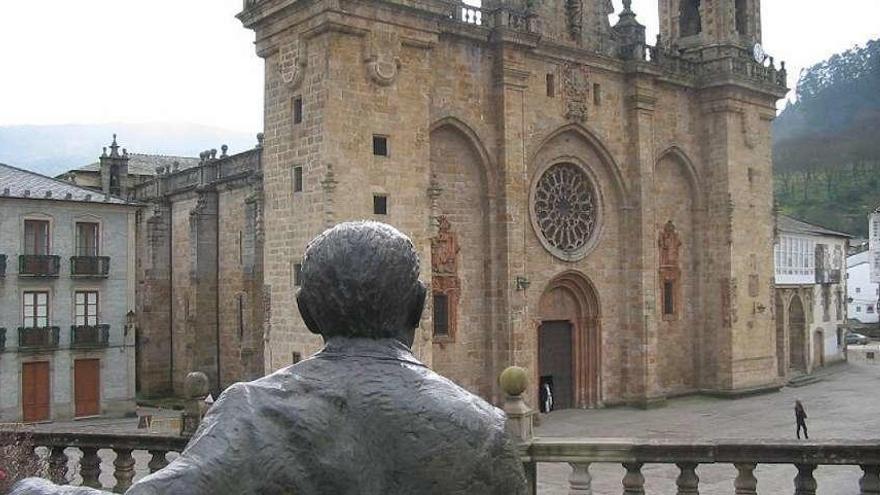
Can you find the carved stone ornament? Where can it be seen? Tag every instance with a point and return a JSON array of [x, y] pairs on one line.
[[444, 250], [576, 91], [565, 211], [670, 244], [383, 57], [574, 10], [292, 63]]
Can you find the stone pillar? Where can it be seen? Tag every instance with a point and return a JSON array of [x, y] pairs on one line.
[[153, 339], [643, 349], [202, 322]]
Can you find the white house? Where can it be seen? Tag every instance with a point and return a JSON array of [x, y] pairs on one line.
[[862, 294], [810, 296], [67, 290]]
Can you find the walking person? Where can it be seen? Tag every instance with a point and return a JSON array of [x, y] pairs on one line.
[[800, 416]]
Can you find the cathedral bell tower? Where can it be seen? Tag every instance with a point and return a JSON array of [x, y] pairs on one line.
[[687, 24]]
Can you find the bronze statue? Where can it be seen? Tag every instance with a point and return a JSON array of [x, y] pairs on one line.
[[363, 415]]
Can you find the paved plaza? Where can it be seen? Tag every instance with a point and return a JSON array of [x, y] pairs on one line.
[[844, 405]]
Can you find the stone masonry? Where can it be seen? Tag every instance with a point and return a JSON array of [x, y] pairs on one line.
[[606, 204]]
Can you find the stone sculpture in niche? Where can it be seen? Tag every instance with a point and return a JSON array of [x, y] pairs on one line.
[[292, 63], [444, 274], [670, 271], [363, 415]]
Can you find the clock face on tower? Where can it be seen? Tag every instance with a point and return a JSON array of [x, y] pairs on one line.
[[758, 53]]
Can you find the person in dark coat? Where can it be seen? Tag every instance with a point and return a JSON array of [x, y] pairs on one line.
[[361, 417], [800, 417]]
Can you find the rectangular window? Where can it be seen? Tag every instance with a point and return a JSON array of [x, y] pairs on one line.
[[858, 290], [36, 237], [597, 94], [297, 274], [858, 309], [380, 204], [668, 297], [551, 85], [380, 145], [297, 110], [297, 179], [441, 314], [35, 310], [85, 308], [240, 300], [86, 239]]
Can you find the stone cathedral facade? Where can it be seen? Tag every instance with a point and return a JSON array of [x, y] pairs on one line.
[[587, 205]]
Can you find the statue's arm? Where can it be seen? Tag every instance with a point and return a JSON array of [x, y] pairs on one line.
[[217, 458], [507, 470]]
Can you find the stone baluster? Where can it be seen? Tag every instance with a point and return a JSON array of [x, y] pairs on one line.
[[633, 480], [745, 482], [520, 417], [157, 461], [804, 483], [870, 482], [124, 469], [58, 465], [90, 467], [580, 482], [688, 482]]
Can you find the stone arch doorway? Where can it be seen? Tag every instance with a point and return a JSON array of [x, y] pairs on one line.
[[569, 342], [797, 329]]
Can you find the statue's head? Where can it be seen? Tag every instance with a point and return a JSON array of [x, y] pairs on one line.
[[361, 279]]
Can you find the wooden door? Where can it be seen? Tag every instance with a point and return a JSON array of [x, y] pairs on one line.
[[555, 362], [35, 391], [86, 386]]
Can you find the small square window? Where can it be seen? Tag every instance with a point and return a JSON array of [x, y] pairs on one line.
[[380, 145], [298, 110], [597, 94], [551, 85], [296, 357], [380, 204], [297, 179], [297, 274]]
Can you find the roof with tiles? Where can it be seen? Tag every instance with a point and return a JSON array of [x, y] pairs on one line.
[[24, 184], [141, 164], [794, 226]]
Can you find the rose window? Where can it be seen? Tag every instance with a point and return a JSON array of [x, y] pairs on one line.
[[565, 210]]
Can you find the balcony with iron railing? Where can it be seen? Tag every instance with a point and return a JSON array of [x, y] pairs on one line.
[[38, 265], [38, 338], [89, 336], [89, 266]]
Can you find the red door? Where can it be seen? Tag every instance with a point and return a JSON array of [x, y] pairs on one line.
[[35, 391], [86, 384]]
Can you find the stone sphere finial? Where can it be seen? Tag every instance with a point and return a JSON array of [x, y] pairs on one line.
[[196, 385], [514, 380]]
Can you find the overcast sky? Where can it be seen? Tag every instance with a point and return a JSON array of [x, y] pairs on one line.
[[100, 61]]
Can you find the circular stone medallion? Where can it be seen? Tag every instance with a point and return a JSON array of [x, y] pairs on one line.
[[565, 211]]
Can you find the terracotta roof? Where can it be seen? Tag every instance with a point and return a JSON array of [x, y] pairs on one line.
[[792, 225], [24, 184], [141, 164]]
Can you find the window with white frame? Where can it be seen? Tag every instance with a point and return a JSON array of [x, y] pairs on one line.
[[35, 309], [86, 239], [795, 256], [36, 237], [85, 308]]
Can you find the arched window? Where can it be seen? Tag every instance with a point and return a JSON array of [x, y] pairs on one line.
[[742, 24], [689, 18]]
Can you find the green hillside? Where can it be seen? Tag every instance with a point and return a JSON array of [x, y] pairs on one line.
[[826, 152]]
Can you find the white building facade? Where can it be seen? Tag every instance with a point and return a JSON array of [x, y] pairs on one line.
[[810, 296], [67, 295], [862, 293]]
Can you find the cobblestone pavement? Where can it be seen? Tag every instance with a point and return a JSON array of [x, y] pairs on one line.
[[844, 405]]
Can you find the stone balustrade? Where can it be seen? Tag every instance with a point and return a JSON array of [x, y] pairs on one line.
[[54, 449], [745, 456]]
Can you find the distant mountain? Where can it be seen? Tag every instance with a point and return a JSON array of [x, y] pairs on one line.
[[826, 150], [54, 149]]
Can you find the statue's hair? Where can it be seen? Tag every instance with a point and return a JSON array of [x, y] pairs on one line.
[[361, 279]]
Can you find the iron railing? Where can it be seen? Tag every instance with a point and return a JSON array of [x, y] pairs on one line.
[[89, 266], [38, 265], [89, 335], [38, 338]]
